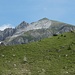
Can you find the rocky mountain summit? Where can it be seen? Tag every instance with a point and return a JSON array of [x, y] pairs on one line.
[[25, 32]]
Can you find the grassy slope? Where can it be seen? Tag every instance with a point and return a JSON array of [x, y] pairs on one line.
[[51, 56]]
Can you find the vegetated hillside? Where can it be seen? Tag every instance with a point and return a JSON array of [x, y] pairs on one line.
[[51, 56]]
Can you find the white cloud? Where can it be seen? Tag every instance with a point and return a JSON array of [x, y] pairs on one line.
[[5, 26]]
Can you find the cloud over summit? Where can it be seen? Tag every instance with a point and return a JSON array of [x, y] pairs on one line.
[[5, 26]]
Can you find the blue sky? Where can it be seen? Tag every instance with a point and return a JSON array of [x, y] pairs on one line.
[[13, 12]]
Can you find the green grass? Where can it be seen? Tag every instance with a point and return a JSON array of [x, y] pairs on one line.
[[51, 56]]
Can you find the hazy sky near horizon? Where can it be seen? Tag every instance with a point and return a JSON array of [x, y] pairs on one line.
[[13, 12]]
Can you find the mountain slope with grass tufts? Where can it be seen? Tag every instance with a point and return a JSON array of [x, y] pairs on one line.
[[50, 56]]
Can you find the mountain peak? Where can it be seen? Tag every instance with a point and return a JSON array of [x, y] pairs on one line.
[[22, 25], [23, 22], [25, 33], [44, 19]]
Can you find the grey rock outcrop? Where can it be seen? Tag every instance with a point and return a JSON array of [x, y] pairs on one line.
[[22, 25], [8, 32]]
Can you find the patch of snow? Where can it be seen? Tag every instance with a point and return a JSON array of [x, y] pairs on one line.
[[0, 42]]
